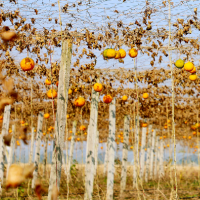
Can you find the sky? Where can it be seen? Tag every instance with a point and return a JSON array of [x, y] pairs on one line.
[[182, 151]]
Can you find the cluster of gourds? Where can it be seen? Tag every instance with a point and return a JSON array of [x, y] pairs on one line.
[[82, 128], [195, 126], [28, 64], [112, 53], [189, 66]]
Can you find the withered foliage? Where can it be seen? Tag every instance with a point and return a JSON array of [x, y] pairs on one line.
[[23, 134], [39, 189], [9, 95], [7, 139], [142, 33]]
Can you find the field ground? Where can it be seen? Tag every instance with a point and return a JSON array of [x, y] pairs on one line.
[[188, 185]]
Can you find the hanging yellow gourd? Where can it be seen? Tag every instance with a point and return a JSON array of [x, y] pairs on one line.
[[52, 94], [27, 64], [133, 53]]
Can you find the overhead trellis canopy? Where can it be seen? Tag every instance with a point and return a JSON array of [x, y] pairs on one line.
[[95, 26], [101, 71]]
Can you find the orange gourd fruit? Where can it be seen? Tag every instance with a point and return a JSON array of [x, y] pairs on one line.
[[47, 82], [111, 53], [46, 115], [27, 64], [98, 87], [118, 55], [82, 128], [52, 94], [57, 82], [193, 127], [144, 124], [79, 102], [193, 70], [188, 66], [101, 147], [69, 91], [193, 77], [133, 53], [123, 53], [145, 95], [194, 133], [124, 98], [107, 99]]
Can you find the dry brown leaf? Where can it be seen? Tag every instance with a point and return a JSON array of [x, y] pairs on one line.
[[23, 134], [5, 101], [7, 139], [14, 94], [8, 35], [39, 189]]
